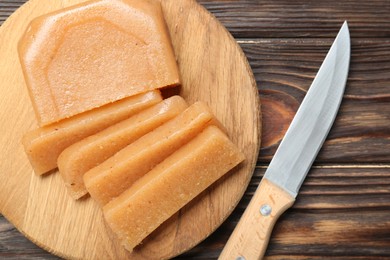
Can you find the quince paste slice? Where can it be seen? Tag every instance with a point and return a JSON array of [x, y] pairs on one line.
[[171, 185], [43, 145], [112, 177], [82, 156]]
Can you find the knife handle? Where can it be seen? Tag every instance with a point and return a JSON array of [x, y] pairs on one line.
[[250, 238]]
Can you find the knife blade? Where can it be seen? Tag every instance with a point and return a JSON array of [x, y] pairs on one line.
[[295, 155]]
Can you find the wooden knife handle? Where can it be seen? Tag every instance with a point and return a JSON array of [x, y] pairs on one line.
[[251, 235]]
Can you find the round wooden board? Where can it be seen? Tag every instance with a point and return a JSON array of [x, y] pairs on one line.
[[213, 69]]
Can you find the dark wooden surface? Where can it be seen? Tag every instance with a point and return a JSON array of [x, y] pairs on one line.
[[343, 209]]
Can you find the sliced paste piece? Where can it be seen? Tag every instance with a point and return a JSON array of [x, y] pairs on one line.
[[170, 185], [88, 153], [43, 145], [109, 179]]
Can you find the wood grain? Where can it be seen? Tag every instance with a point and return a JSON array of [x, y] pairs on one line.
[[343, 226], [40, 206], [284, 70], [15, 246], [301, 18], [347, 192], [339, 211], [354, 197], [292, 19], [252, 233]]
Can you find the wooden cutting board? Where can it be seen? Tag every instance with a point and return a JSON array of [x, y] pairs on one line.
[[214, 70]]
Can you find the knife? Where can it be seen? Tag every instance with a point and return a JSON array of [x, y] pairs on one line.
[[285, 174]]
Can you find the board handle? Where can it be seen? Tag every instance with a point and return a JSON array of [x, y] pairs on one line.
[[250, 238]]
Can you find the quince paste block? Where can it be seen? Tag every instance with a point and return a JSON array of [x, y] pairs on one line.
[[95, 53], [82, 156], [171, 185], [44, 145], [109, 179]]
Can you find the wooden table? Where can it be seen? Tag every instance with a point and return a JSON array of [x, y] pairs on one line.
[[343, 209]]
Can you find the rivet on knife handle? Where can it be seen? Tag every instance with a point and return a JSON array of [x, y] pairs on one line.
[[250, 238], [295, 154]]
